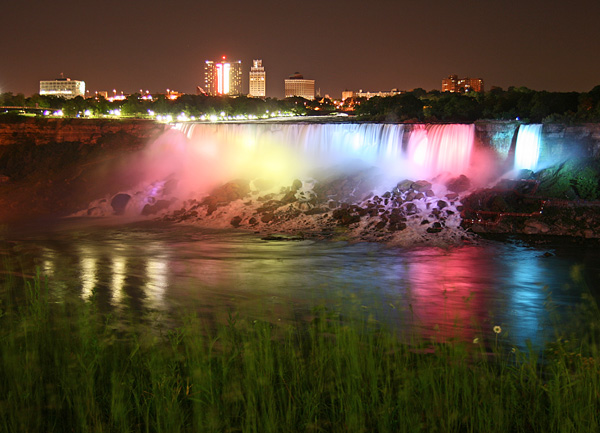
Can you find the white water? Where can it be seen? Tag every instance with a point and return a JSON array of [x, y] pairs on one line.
[[527, 151], [298, 150]]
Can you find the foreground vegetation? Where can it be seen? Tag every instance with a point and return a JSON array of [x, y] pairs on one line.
[[67, 368]]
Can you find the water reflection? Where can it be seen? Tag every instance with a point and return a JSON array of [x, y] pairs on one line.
[[451, 290], [452, 293]]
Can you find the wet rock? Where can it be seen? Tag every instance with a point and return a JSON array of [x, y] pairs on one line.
[[296, 185], [411, 209], [441, 204], [230, 191], [94, 211], [397, 227], [316, 211], [289, 197], [498, 204], [236, 221], [267, 217], [396, 218], [119, 203], [344, 217], [269, 206], [420, 196], [266, 197], [404, 185], [429, 193], [535, 227], [421, 185], [159, 205], [435, 228], [451, 196], [459, 184], [380, 225], [252, 221]]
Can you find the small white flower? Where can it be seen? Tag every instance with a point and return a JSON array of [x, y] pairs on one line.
[[497, 329]]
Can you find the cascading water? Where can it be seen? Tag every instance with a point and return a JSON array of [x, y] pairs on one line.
[[527, 150], [294, 150], [192, 159], [441, 148]]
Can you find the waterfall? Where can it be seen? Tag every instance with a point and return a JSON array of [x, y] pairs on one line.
[[440, 149], [527, 151], [284, 151]]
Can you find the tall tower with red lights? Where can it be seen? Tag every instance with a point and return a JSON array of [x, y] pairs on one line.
[[223, 77]]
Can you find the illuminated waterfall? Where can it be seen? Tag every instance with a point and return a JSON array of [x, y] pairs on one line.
[[284, 151], [441, 148], [527, 151]]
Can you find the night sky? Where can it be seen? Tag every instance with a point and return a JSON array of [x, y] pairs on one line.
[[374, 45]]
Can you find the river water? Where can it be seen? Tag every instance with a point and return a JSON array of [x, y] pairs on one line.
[[169, 270]]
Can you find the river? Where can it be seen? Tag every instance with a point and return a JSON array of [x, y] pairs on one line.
[[164, 271]]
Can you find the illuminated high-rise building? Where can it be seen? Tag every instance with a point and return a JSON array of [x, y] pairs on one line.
[[223, 77], [63, 87], [258, 79], [296, 85], [453, 84]]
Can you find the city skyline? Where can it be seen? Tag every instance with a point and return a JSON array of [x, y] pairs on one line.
[[136, 45]]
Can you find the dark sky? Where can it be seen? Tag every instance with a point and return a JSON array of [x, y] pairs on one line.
[[342, 44]]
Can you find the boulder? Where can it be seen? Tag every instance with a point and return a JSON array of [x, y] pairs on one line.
[[421, 186], [236, 221], [459, 184], [119, 203], [156, 207]]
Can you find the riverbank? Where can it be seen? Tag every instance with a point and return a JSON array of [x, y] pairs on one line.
[[67, 367]]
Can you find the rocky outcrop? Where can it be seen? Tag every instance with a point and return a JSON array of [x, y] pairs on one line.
[[329, 208], [43, 131], [562, 200], [57, 166]]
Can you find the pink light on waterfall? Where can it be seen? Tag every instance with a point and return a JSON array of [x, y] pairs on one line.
[[441, 149], [213, 153]]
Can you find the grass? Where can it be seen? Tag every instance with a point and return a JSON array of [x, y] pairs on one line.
[[67, 368]]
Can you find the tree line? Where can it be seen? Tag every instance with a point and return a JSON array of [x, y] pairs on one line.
[[417, 105], [498, 104]]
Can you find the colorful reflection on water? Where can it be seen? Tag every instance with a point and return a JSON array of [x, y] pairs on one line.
[[442, 293]]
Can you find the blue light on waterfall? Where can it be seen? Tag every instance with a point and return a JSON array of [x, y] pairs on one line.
[[527, 152]]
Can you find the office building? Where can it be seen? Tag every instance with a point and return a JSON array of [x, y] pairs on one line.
[[63, 87], [258, 80], [453, 84], [223, 77], [296, 85]]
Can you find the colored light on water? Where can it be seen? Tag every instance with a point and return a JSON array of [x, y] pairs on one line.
[[527, 151]]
